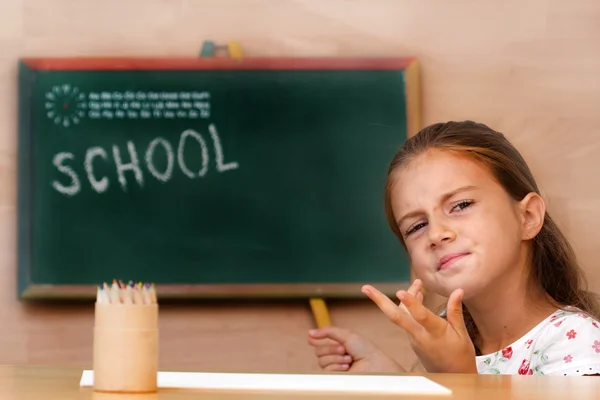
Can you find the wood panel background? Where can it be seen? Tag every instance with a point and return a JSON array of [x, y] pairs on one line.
[[529, 69]]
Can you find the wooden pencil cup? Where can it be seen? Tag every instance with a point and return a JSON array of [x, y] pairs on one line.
[[126, 348], [124, 396]]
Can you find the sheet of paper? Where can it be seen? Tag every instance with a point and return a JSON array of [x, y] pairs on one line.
[[375, 384]]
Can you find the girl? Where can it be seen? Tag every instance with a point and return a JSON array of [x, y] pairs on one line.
[[465, 206]]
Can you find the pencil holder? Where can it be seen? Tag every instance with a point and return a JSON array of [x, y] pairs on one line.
[[126, 348], [124, 396]]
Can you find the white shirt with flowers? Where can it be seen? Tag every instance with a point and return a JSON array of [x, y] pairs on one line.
[[565, 343]]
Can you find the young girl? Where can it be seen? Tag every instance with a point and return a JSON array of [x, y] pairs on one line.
[[465, 206]]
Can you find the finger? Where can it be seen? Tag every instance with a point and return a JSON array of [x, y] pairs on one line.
[[333, 360], [337, 367], [420, 297], [455, 311], [428, 320], [414, 289], [393, 312], [330, 332], [383, 302], [322, 342], [329, 350]]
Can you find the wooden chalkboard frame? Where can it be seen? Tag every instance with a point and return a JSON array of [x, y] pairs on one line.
[[28, 290]]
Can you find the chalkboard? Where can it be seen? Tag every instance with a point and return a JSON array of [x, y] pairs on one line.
[[210, 177]]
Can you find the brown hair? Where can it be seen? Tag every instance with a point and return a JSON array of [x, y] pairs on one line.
[[553, 262]]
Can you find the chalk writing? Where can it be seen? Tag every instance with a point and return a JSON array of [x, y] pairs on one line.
[[147, 105], [66, 105], [127, 164]]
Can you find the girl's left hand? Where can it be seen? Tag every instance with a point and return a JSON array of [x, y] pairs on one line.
[[442, 346]]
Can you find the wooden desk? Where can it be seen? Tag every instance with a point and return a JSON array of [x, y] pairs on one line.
[[49, 383]]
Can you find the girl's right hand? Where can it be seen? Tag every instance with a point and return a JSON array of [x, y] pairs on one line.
[[342, 350]]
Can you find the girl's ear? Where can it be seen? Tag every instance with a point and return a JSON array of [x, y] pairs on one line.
[[533, 210]]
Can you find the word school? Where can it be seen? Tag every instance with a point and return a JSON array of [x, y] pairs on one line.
[[101, 184]]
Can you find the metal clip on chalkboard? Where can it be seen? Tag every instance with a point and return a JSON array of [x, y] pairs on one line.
[[210, 49], [234, 50]]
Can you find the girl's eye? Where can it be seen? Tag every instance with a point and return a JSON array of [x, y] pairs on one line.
[[415, 228], [462, 205]]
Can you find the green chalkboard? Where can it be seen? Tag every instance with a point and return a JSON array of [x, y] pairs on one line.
[[209, 177]]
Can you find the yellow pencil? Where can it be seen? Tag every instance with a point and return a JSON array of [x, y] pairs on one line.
[[319, 309]]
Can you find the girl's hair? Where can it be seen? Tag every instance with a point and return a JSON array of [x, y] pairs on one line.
[[553, 263]]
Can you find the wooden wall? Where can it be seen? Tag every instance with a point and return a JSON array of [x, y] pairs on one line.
[[529, 69]]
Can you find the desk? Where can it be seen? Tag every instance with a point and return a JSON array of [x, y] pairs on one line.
[[49, 383]]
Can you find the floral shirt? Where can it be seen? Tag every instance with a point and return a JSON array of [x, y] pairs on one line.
[[565, 343]]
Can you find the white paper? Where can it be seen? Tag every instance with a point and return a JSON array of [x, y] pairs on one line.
[[375, 384]]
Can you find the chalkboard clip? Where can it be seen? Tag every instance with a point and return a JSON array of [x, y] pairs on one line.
[[208, 49], [235, 50], [232, 50]]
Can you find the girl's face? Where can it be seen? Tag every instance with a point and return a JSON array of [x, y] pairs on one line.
[[461, 228]]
